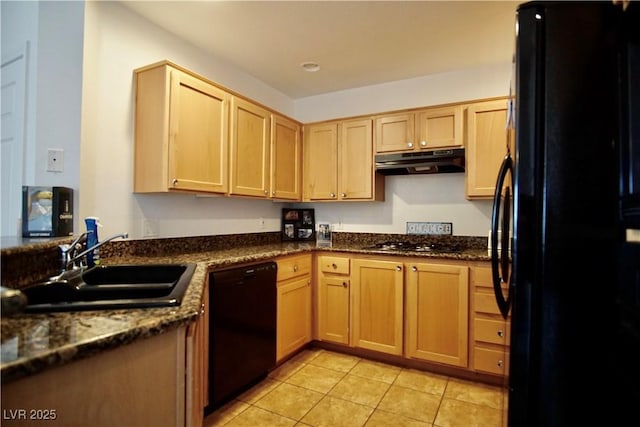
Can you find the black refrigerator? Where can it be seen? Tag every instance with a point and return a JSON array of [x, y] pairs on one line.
[[567, 204]]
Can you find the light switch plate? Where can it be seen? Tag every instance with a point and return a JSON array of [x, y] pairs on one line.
[[432, 228]]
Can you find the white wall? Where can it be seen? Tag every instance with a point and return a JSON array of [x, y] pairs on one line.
[[438, 198], [116, 42], [52, 34], [456, 86]]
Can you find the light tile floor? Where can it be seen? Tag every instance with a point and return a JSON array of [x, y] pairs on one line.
[[324, 388]]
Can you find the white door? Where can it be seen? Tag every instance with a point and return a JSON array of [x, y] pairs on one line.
[[13, 97]]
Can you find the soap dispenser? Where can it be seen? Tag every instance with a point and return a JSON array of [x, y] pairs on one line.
[[93, 257]]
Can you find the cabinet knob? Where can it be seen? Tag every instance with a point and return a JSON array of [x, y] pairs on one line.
[[333, 195], [344, 194], [266, 192], [344, 284], [334, 266], [500, 333], [175, 181], [202, 309], [398, 268], [410, 144], [500, 363], [423, 143], [414, 268], [273, 193], [295, 268]]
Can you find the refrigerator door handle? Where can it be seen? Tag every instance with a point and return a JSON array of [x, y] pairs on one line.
[[500, 262]]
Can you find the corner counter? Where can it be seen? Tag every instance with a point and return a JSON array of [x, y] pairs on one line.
[[31, 343]]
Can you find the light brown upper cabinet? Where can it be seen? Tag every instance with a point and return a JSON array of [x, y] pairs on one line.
[[426, 129], [487, 139], [250, 149], [338, 162], [286, 159], [181, 132]]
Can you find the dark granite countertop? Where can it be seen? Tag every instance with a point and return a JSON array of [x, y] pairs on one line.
[[31, 343]]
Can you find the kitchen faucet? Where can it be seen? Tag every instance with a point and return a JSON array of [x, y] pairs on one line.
[[70, 257]]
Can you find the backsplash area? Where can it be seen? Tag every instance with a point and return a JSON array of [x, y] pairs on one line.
[[22, 265]]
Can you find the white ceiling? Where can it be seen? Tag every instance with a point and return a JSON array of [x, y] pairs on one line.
[[356, 43]]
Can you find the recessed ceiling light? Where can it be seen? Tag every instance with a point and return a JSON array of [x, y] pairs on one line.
[[310, 66]]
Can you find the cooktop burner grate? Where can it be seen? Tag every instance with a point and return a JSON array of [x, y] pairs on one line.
[[417, 247]]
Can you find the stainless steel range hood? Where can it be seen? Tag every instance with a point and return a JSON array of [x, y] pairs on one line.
[[423, 162]]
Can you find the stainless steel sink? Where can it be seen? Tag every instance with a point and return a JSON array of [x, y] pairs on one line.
[[111, 287]]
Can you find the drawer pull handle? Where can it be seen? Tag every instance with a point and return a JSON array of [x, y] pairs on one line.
[[500, 333]]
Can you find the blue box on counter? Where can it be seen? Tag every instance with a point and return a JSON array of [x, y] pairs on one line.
[[47, 211]]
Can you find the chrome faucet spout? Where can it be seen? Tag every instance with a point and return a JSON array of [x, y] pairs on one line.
[[71, 261]]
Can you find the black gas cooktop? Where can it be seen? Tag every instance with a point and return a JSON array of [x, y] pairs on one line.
[[417, 247]]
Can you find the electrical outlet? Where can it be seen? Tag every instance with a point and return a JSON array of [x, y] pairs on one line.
[[149, 228], [55, 160], [434, 228]]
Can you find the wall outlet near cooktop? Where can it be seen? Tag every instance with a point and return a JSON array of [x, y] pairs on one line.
[[432, 228]]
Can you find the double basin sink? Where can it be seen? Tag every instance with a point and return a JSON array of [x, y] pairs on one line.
[[111, 287]]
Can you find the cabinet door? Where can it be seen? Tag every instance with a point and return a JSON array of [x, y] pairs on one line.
[[437, 313], [321, 162], [197, 135], [294, 315], [198, 364], [333, 308], [440, 127], [286, 159], [377, 302], [356, 160], [250, 149], [486, 147], [395, 132]]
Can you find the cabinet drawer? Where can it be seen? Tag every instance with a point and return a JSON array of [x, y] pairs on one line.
[[492, 331], [481, 276], [492, 361], [485, 303], [332, 264], [293, 266]]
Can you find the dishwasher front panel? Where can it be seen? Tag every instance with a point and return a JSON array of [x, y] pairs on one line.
[[242, 329]]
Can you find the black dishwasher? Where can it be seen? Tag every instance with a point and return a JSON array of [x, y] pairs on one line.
[[242, 329]]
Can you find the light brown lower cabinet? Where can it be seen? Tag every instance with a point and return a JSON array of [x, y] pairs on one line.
[[333, 290], [139, 384], [490, 335], [377, 305], [197, 374], [437, 313], [294, 304]]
